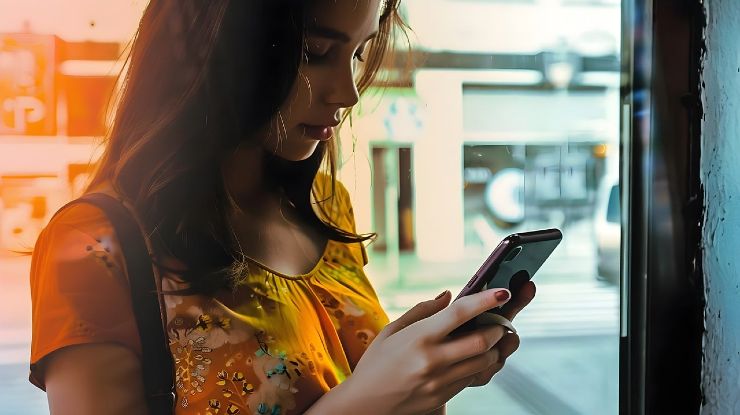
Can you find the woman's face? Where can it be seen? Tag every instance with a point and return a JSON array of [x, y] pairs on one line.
[[337, 34]]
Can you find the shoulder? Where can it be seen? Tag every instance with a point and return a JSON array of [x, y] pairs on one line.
[[83, 217], [79, 225], [82, 220], [77, 250], [333, 201], [77, 230], [326, 188]]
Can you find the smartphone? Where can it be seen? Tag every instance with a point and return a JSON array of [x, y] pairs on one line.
[[514, 262]]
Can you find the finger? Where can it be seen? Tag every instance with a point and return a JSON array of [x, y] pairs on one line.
[[485, 376], [522, 299], [469, 345], [462, 310], [471, 366], [449, 391], [418, 312], [508, 345]]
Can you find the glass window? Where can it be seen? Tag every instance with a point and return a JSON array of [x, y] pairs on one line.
[[613, 212], [508, 122], [511, 123]]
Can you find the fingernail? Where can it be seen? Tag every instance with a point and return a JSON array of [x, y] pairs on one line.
[[442, 294], [502, 295]]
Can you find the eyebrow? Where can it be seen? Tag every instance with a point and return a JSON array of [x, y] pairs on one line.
[[329, 33]]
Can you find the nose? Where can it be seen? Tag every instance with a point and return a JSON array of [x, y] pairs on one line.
[[342, 88]]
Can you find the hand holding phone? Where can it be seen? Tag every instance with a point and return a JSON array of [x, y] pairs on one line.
[[514, 262]]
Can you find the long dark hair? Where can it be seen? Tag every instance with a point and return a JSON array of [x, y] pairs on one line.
[[201, 76]]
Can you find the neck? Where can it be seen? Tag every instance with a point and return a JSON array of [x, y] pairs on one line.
[[244, 179]]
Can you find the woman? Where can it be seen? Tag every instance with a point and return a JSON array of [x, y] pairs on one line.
[[227, 114]]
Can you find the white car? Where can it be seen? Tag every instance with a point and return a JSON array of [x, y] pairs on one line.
[[608, 226]]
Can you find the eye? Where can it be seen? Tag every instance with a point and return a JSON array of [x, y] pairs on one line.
[[313, 57], [359, 56], [316, 50], [361, 51]]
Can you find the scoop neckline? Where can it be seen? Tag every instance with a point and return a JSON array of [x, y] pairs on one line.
[[306, 275], [107, 187]]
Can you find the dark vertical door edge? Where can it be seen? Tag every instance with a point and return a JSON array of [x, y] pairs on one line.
[[660, 346]]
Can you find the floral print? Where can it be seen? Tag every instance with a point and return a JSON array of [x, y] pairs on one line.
[[273, 346], [275, 353]]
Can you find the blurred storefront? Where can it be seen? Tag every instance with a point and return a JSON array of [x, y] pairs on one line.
[[53, 96], [514, 132], [58, 66]]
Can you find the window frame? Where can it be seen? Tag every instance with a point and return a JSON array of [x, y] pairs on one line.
[[662, 277]]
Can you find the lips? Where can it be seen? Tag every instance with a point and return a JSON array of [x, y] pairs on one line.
[[319, 132]]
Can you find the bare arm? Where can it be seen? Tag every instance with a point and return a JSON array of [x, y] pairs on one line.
[[94, 379]]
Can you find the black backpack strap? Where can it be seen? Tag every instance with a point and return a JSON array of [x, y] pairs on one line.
[[157, 364]]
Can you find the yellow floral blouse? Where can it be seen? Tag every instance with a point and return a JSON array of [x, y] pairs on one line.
[[273, 347]]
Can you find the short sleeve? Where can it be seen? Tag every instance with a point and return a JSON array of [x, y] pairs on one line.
[[79, 290]]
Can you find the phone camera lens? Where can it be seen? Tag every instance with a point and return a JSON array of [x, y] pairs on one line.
[[513, 254]]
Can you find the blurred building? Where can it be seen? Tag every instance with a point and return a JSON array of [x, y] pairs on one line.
[[53, 100], [510, 117], [57, 70]]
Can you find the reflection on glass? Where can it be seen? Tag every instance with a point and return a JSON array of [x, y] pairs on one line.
[[520, 132], [508, 123]]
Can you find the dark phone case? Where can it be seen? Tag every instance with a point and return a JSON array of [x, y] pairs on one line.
[[505, 268]]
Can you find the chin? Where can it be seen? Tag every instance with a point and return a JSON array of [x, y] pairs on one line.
[[295, 153]]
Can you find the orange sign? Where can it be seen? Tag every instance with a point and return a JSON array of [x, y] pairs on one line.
[[27, 84]]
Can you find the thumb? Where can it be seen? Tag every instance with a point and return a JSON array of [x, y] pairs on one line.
[[418, 312]]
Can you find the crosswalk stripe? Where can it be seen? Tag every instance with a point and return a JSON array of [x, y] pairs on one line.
[[558, 310]]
